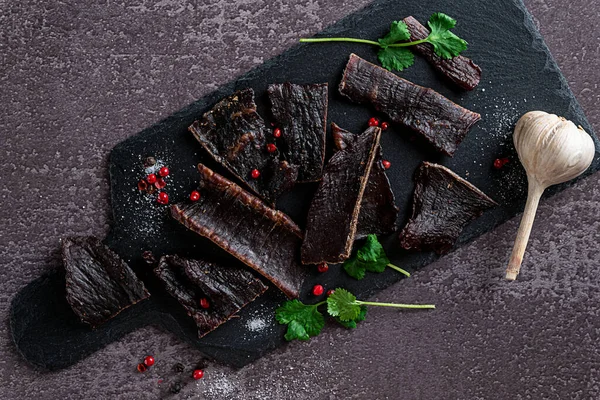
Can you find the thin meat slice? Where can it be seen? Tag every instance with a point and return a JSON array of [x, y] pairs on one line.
[[460, 70], [441, 122], [99, 283], [265, 239], [226, 288], [443, 204], [378, 211], [301, 114], [333, 214], [235, 135]]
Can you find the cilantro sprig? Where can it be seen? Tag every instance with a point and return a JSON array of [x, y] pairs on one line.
[[370, 257], [393, 52], [305, 320]]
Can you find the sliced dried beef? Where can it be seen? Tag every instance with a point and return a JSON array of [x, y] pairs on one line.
[[460, 70], [99, 283], [443, 204], [235, 135], [265, 239], [301, 114], [378, 211], [441, 122], [333, 214], [226, 288]]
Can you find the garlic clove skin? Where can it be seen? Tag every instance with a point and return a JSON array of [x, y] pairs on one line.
[[551, 148]]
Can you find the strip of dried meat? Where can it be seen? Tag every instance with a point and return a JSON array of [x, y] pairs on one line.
[[333, 214], [235, 135], [301, 114], [265, 239], [460, 70], [99, 283], [378, 211], [227, 288], [441, 122], [443, 204]]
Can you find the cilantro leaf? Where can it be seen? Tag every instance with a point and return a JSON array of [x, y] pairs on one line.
[[445, 43], [352, 324], [370, 257], [395, 58], [398, 33], [355, 268], [371, 249], [342, 304], [303, 321]]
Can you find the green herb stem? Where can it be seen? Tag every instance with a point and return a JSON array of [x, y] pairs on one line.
[[406, 44], [320, 303], [364, 41], [372, 303], [392, 266]]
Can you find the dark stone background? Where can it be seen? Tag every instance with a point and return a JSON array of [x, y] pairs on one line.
[[76, 79]]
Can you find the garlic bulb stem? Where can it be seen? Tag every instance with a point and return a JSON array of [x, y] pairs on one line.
[[516, 259]]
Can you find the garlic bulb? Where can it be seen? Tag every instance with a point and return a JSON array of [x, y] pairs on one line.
[[553, 150]]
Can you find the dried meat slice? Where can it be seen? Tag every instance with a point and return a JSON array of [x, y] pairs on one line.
[[441, 122], [443, 204], [378, 211], [460, 70], [301, 114], [265, 239], [99, 283], [235, 135], [227, 288], [333, 214]]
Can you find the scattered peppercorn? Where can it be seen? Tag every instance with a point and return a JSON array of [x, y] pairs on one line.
[[330, 292], [141, 367], [255, 173], [195, 196], [198, 374], [277, 132], [386, 164], [150, 161], [323, 267], [149, 361], [151, 179], [271, 148], [384, 126], [160, 183], [204, 303], [176, 387], [142, 185], [163, 198], [164, 171], [373, 121], [318, 290], [500, 162], [148, 256], [179, 367]]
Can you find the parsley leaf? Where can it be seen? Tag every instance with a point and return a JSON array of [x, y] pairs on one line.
[[303, 321], [370, 257], [395, 58], [445, 43], [342, 304], [398, 33]]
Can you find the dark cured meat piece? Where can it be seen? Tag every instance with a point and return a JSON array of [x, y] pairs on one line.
[[301, 113], [378, 211], [99, 284], [333, 214], [443, 204], [228, 289], [443, 123], [462, 71], [265, 239], [235, 135]]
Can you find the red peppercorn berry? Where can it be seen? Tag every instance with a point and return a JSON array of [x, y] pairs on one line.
[[500, 162], [151, 179], [384, 126], [142, 367], [373, 121], [198, 374], [163, 198], [164, 171], [277, 132], [149, 361], [386, 164], [271, 148], [204, 303], [330, 292], [323, 267], [142, 185], [255, 173], [160, 183], [195, 196], [318, 290]]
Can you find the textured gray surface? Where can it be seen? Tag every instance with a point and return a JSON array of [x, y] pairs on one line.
[[76, 79]]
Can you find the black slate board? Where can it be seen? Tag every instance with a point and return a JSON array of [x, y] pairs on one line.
[[519, 75]]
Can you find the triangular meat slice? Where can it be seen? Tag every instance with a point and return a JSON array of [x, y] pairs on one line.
[[99, 283], [226, 289], [235, 135], [443, 204], [301, 114], [265, 239], [440, 121], [333, 214], [378, 211]]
